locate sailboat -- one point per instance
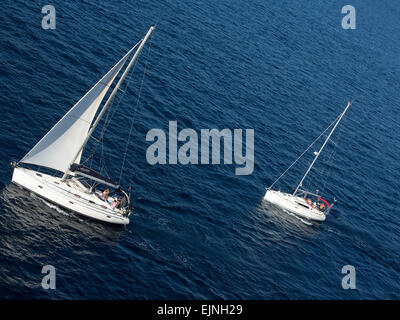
(301, 202)
(71, 184)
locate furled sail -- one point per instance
(57, 148)
(87, 172)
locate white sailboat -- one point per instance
(61, 150)
(301, 202)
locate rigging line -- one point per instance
(325, 170)
(108, 118)
(334, 121)
(127, 82)
(98, 140)
(317, 154)
(107, 121)
(333, 154)
(137, 105)
(111, 103)
(94, 148)
(321, 172)
(314, 169)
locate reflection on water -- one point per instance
(24, 210)
(36, 233)
(287, 222)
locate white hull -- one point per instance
(70, 195)
(294, 204)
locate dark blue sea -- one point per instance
(283, 68)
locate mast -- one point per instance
(322, 147)
(110, 98)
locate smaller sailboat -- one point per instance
(301, 202)
(71, 184)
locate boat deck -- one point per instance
(71, 194)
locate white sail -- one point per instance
(59, 146)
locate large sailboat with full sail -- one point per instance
(301, 202)
(74, 185)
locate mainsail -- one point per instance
(59, 146)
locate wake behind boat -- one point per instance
(75, 185)
(301, 202)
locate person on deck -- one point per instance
(105, 194)
(122, 203)
(114, 203)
